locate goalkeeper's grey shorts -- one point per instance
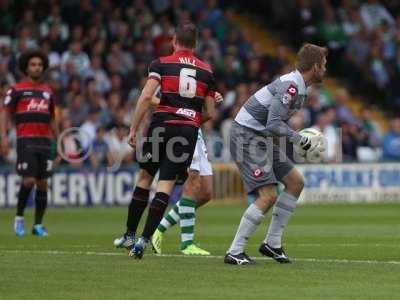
(260, 161)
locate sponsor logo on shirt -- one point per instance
(190, 113)
(38, 105)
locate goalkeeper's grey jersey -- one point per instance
(270, 108)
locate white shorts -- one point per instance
(200, 161)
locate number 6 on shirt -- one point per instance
(187, 83)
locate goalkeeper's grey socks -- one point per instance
(283, 209)
(251, 218)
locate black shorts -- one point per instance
(34, 157)
(168, 149)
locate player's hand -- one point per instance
(132, 138)
(218, 97)
(4, 146)
(155, 101)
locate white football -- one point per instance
(313, 156)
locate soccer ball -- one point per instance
(314, 156)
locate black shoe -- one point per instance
(276, 253)
(239, 259)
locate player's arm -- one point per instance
(209, 109)
(278, 112)
(54, 124)
(8, 107)
(278, 127)
(142, 106)
(4, 120)
(276, 124)
(212, 96)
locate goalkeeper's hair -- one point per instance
(25, 57)
(309, 55)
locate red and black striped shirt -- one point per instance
(33, 106)
(185, 82)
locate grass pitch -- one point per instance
(340, 251)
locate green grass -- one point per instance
(342, 252)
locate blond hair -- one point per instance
(309, 55)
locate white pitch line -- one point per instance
(293, 245)
(346, 245)
(322, 260)
(95, 253)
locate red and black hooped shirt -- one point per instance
(185, 82)
(33, 107)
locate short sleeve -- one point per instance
(10, 101)
(155, 70)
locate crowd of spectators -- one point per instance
(99, 52)
(363, 38)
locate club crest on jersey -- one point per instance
(257, 173)
(46, 95)
(39, 105)
(190, 113)
(289, 94)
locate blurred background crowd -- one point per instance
(99, 52)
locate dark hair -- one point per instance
(25, 57)
(186, 35)
(309, 55)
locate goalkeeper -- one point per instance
(261, 121)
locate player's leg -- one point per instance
(44, 171)
(40, 207)
(251, 218)
(169, 220)
(157, 208)
(179, 147)
(172, 217)
(199, 189)
(283, 210)
(202, 195)
(27, 168)
(25, 189)
(254, 158)
(187, 210)
(202, 187)
(206, 190)
(149, 161)
(138, 204)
